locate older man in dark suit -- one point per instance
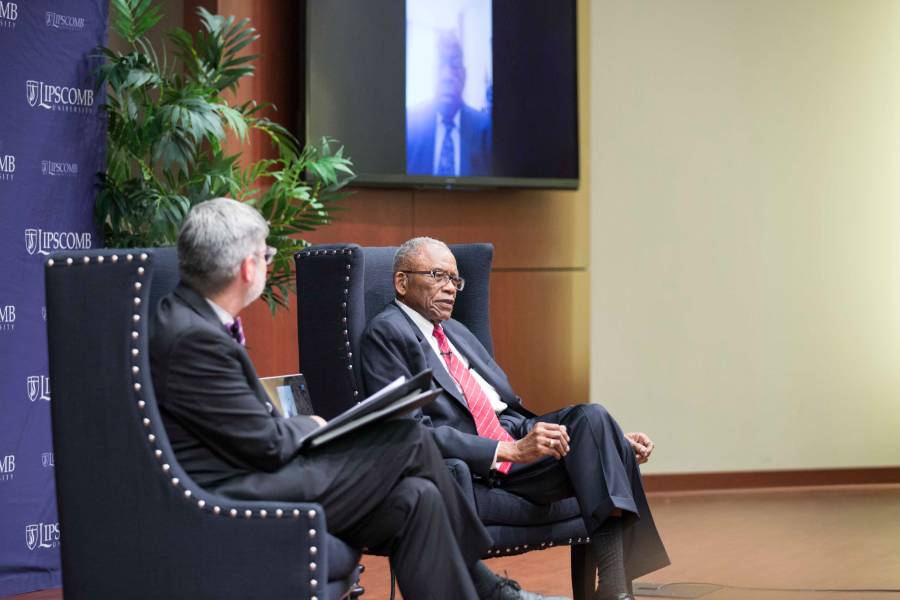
(577, 451)
(385, 489)
(446, 137)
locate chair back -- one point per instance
(133, 524)
(340, 287)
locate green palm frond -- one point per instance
(168, 122)
(134, 18)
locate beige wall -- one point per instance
(745, 230)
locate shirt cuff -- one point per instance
(494, 463)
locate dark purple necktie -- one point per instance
(236, 331)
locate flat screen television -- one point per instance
(445, 93)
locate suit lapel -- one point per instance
(487, 371)
(465, 164)
(441, 374)
(438, 369)
(199, 305)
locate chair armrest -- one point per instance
(254, 536)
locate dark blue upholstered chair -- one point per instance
(133, 523)
(339, 289)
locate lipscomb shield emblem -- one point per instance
(31, 92)
(31, 240)
(31, 536)
(34, 387)
(44, 164)
(49, 18)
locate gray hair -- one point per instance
(216, 236)
(411, 248)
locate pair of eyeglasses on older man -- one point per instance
(441, 277)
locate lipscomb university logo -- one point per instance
(59, 97)
(38, 241)
(31, 92)
(38, 387)
(7, 167)
(58, 21)
(7, 467)
(52, 168)
(47, 460)
(7, 317)
(42, 535)
(9, 14)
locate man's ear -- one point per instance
(247, 269)
(400, 283)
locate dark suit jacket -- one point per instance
(392, 346)
(474, 140)
(216, 413)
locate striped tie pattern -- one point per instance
(447, 157)
(486, 422)
(236, 330)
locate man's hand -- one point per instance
(318, 420)
(546, 439)
(641, 444)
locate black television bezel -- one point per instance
(425, 182)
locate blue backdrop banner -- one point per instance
(52, 145)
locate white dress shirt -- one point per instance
(427, 328)
(439, 130)
(224, 315)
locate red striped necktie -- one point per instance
(486, 422)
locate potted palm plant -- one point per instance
(169, 118)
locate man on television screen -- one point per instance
(446, 137)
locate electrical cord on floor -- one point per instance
(661, 586)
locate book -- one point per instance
(397, 398)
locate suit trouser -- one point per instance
(387, 490)
(601, 471)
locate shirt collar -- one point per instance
(421, 322)
(223, 314)
(455, 119)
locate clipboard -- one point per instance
(397, 398)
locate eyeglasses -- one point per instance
(269, 254)
(441, 277)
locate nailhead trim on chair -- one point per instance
(510, 550)
(348, 252)
(191, 495)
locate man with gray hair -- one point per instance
(384, 488)
(577, 451)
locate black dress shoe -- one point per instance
(620, 596)
(508, 589)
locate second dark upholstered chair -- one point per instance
(340, 288)
(133, 523)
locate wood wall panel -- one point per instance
(272, 341)
(370, 218)
(540, 330)
(530, 229)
